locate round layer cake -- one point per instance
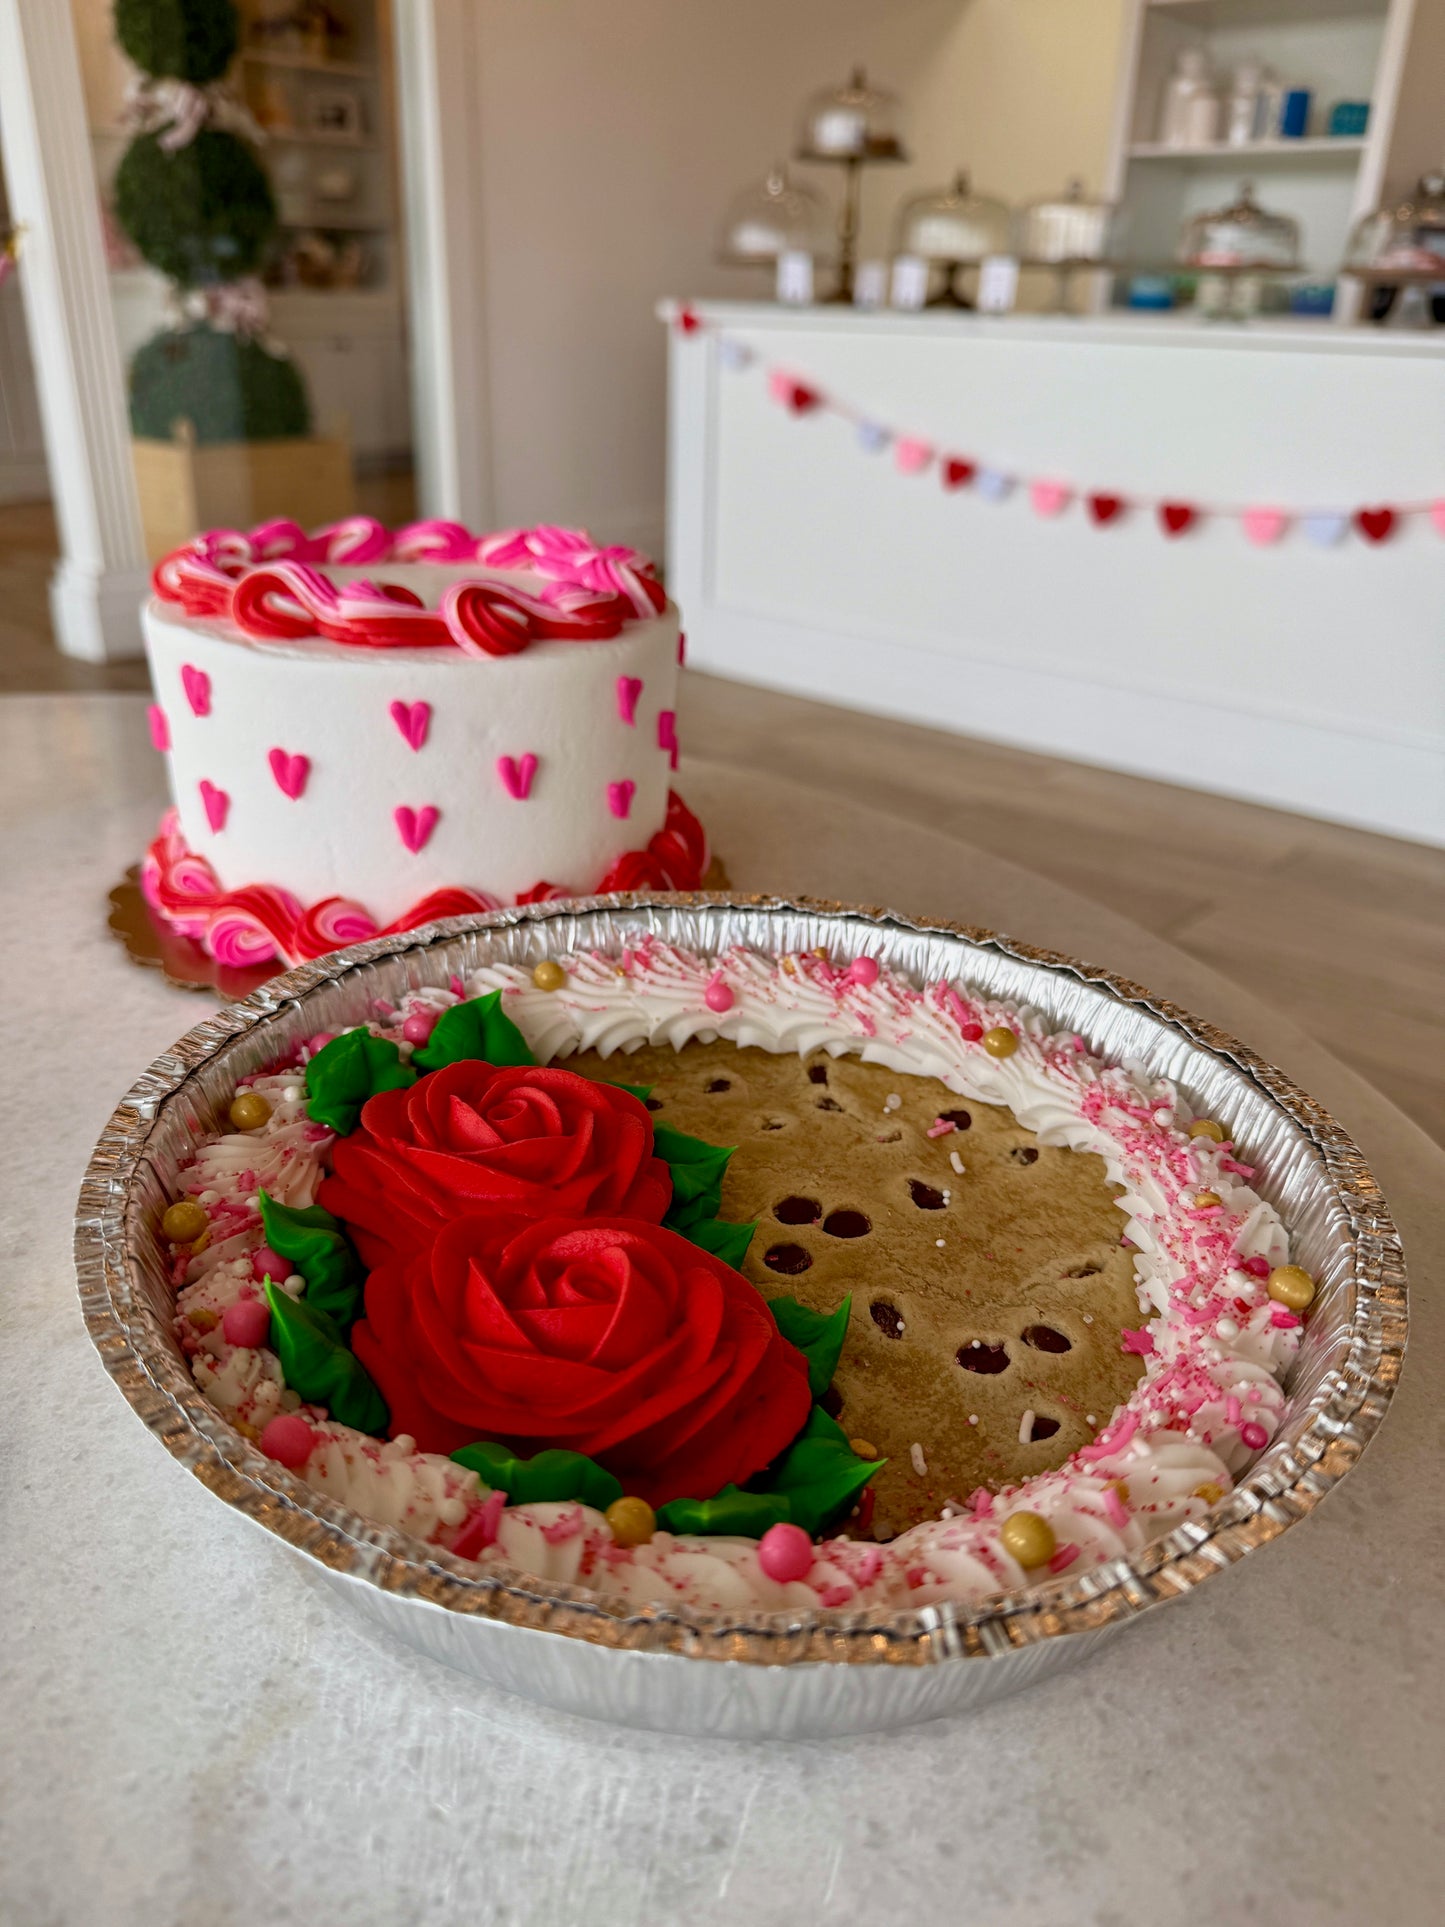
(366, 730)
(736, 1280)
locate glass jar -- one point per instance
(1242, 104)
(1189, 105)
(771, 217)
(853, 122)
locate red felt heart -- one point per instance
(1104, 508)
(688, 323)
(1375, 524)
(801, 398)
(1176, 517)
(955, 472)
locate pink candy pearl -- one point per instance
(419, 1026)
(320, 1041)
(289, 1440)
(717, 996)
(863, 970)
(1256, 1267)
(247, 1322)
(785, 1552)
(970, 1032)
(265, 1263)
(1254, 1436)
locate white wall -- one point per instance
(610, 137)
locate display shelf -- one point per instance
(1344, 147)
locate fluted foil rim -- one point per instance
(1325, 1428)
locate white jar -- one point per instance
(1189, 106)
(1242, 104)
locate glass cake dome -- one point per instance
(952, 224)
(775, 216)
(1242, 235)
(856, 121)
(1066, 227)
(1410, 237)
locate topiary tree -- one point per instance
(196, 202)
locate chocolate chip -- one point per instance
(817, 1073)
(960, 1120)
(653, 1103)
(718, 1084)
(797, 1211)
(924, 1195)
(832, 1402)
(1044, 1338)
(847, 1223)
(1044, 1428)
(1024, 1154)
(886, 1317)
(986, 1359)
(789, 1259)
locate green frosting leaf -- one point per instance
(640, 1091)
(819, 1475)
(550, 1475)
(818, 1336)
(352, 1068)
(315, 1244)
(697, 1175)
(319, 1366)
(744, 1515)
(474, 1030)
(724, 1240)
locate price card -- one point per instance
(870, 284)
(910, 281)
(998, 283)
(795, 278)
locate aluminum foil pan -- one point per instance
(752, 1675)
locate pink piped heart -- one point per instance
(197, 685)
(413, 720)
(1263, 526)
(216, 804)
(619, 797)
(160, 728)
(290, 772)
(1437, 517)
(629, 688)
(667, 733)
(1049, 498)
(415, 826)
(516, 773)
(911, 456)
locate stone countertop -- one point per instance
(198, 1731)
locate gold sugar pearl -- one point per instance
(1209, 1492)
(1000, 1041)
(249, 1111)
(1028, 1538)
(1206, 1127)
(864, 1449)
(1292, 1287)
(549, 975)
(184, 1222)
(1203, 1199)
(1121, 1486)
(203, 1319)
(632, 1520)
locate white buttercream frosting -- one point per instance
(1215, 1345)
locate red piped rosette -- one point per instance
(260, 924)
(270, 586)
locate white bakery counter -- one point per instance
(1307, 676)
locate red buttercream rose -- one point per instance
(620, 1340)
(472, 1137)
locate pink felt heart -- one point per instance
(160, 727)
(629, 688)
(415, 826)
(516, 774)
(1263, 526)
(1049, 498)
(413, 720)
(619, 797)
(1437, 516)
(911, 456)
(216, 804)
(290, 772)
(197, 685)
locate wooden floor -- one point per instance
(1305, 912)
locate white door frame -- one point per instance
(96, 592)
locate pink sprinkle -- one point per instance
(1256, 1267)
(1253, 1435)
(1112, 1441)
(837, 1594)
(247, 1323)
(289, 1440)
(940, 1127)
(564, 1527)
(917, 1576)
(456, 987)
(1140, 1341)
(785, 1552)
(1114, 1507)
(266, 1264)
(320, 1041)
(383, 1008)
(1233, 1411)
(863, 970)
(1282, 1320)
(869, 1565)
(480, 1529)
(718, 997)
(419, 1026)
(1064, 1557)
(981, 1499)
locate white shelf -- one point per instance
(1219, 153)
